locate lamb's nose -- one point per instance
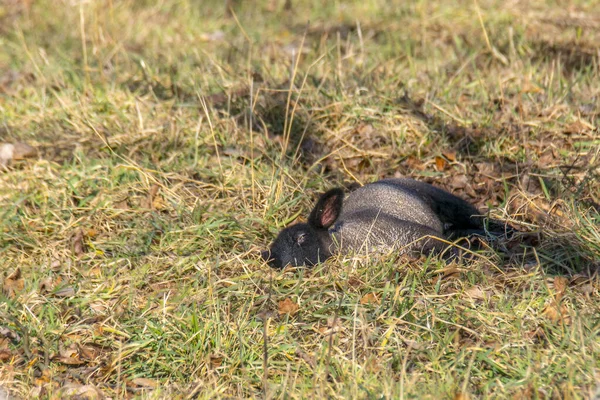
(265, 255)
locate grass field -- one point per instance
(173, 141)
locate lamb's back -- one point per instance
(393, 198)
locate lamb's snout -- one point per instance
(266, 255)
(273, 262)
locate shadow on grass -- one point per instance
(573, 57)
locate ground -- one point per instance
(172, 140)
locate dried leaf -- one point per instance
(333, 327)
(23, 150)
(5, 355)
(369, 298)
(148, 201)
(91, 233)
(94, 272)
(440, 163)
(13, 283)
(450, 155)
(449, 272)
(145, 382)
(215, 361)
(9, 334)
(476, 293)
(557, 313)
(70, 351)
(4, 393)
(309, 360)
(462, 396)
(121, 205)
(71, 361)
(16, 151)
(459, 181)
(37, 392)
(45, 285)
(215, 36)
(355, 282)
(529, 87)
(537, 334)
(88, 353)
(66, 291)
(74, 390)
(158, 203)
(287, 306)
(98, 306)
(77, 244)
(560, 286)
(587, 289)
(578, 279)
(55, 265)
(577, 127)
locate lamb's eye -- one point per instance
(301, 238)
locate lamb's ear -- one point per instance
(327, 210)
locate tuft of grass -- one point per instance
(174, 141)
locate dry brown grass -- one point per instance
(173, 143)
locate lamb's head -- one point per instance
(307, 243)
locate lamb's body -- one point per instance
(400, 213)
(380, 216)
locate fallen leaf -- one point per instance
(91, 233)
(74, 390)
(450, 155)
(412, 162)
(37, 392)
(66, 291)
(158, 203)
(45, 285)
(8, 334)
(440, 163)
(355, 282)
(148, 201)
(287, 306)
(69, 355)
(5, 355)
(4, 393)
(369, 298)
(99, 307)
(55, 265)
(529, 87)
(121, 205)
(413, 344)
(557, 313)
(88, 353)
(537, 334)
(309, 360)
(94, 272)
(77, 243)
(215, 36)
(449, 272)
(333, 327)
(577, 127)
(71, 361)
(13, 283)
(16, 151)
(587, 289)
(462, 396)
(144, 382)
(579, 279)
(215, 361)
(476, 293)
(560, 286)
(70, 351)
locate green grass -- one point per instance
(174, 143)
